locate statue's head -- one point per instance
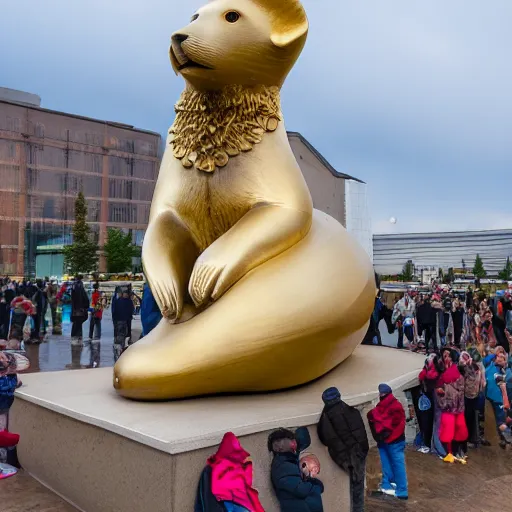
(243, 42)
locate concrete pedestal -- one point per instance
(103, 453)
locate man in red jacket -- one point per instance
(387, 422)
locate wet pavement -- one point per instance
(56, 352)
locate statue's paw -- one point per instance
(167, 297)
(209, 281)
(203, 280)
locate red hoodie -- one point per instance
(232, 475)
(388, 417)
(429, 373)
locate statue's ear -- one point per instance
(289, 36)
(288, 20)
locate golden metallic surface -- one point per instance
(259, 291)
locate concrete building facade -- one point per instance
(337, 194)
(46, 158)
(442, 250)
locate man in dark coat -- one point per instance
(341, 429)
(295, 492)
(79, 310)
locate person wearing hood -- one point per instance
(294, 491)
(387, 423)
(226, 482)
(341, 429)
(450, 401)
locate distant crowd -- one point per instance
(467, 339)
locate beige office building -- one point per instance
(46, 158)
(340, 195)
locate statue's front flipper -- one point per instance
(287, 322)
(261, 234)
(168, 255)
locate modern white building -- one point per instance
(444, 250)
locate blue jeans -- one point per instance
(499, 413)
(392, 458)
(230, 506)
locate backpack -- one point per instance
(424, 403)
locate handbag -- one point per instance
(424, 403)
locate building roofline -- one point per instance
(322, 159)
(84, 118)
(447, 233)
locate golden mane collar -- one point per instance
(211, 127)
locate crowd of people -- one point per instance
(29, 308)
(466, 337)
(24, 307)
(444, 317)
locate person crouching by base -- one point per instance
(387, 423)
(294, 491)
(341, 429)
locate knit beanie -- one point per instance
(331, 395)
(384, 389)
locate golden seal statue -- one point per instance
(259, 291)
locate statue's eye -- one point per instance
(194, 18)
(232, 17)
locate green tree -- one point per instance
(479, 270)
(408, 271)
(119, 251)
(506, 273)
(82, 255)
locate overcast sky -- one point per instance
(411, 96)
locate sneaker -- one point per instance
(449, 458)
(460, 459)
(424, 449)
(387, 492)
(507, 435)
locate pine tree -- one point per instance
(408, 271)
(479, 270)
(506, 273)
(119, 251)
(82, 255)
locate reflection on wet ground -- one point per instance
(57, 353)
